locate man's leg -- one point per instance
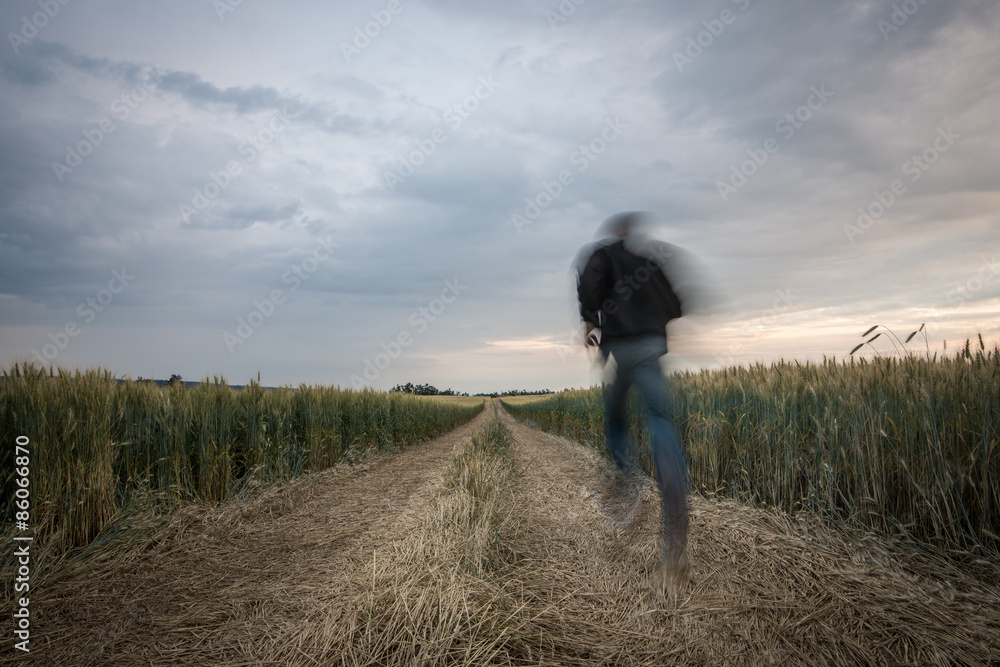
(668, 457)
(623, 494)
(615, 424)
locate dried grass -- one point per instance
(461, 552)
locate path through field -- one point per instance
(338, 566)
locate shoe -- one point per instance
(676, 570)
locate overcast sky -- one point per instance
(395, 190)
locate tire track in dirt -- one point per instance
(234, 580)
(602, 583)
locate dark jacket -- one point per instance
(624, 289)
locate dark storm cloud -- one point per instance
(746, 79)
(40, 62)
(26, 72)
(868, 99)
(191, 87)
(242, 216)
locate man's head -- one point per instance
(623, 225)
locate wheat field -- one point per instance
(100, 445)
(907, 447)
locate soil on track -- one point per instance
(235, 585)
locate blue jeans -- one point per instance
(638, 364)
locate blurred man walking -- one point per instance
(626, 300)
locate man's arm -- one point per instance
(590, 288)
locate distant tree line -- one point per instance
(425, 390)
(431, 390)
(518, 392)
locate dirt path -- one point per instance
(226, 591)
(765, 589)
(268, 582)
